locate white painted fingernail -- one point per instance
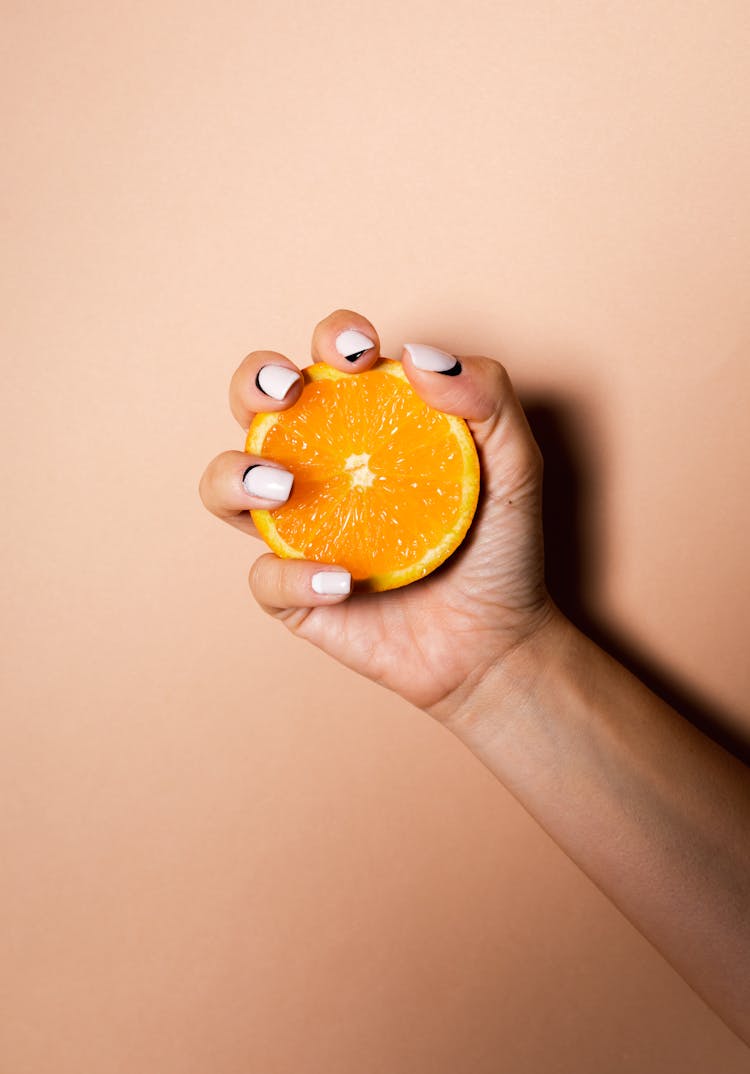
(276, 380)
(353, 344)
(430, 358)
(332, 583)
(267, 482)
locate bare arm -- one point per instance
(654, 812)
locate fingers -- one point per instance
(268, 381)
(281, 585)
(346, 340)
(474, 387)
(478, 389)
(263, 381)
(235, 482)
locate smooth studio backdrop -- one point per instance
(221, 851)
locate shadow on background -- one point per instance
(573, 559)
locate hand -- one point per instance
(433, 640)
(655, 813)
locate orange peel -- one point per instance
(384, 485)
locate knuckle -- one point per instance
(257, 577)
(502, 378)
(219, 466)
(267, 580)
(494, 388)
(529, 458)
(271, 585)
(213, 477)
(238, 383)
(206, 483)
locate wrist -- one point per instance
(493, 697)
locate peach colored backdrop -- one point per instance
(222, 852)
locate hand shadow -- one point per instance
(573, 560)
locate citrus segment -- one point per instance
(384, 485)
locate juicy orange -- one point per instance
(384, 485)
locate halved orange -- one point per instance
(384, 485)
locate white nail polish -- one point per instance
(332, 583)
(430, 358)
(351, 344)
(276, 380)
(268, 482)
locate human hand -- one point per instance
(433, 640)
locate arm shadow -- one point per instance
(573, 561)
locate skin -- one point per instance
(653, 811)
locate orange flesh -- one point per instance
(379, 477)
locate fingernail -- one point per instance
(276, 380)
(332, 583)
(353, 344)
(433, 360)
(267, 482)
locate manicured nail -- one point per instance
(276, 380)
(433, 360)
(332, 583)
(353, 344)
(267, 482)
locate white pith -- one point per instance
(361, 474)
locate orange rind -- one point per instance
(384, 485)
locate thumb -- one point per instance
(479, 390)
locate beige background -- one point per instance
(222, 852)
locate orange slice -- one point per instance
(384, 485)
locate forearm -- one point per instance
(653, 811)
